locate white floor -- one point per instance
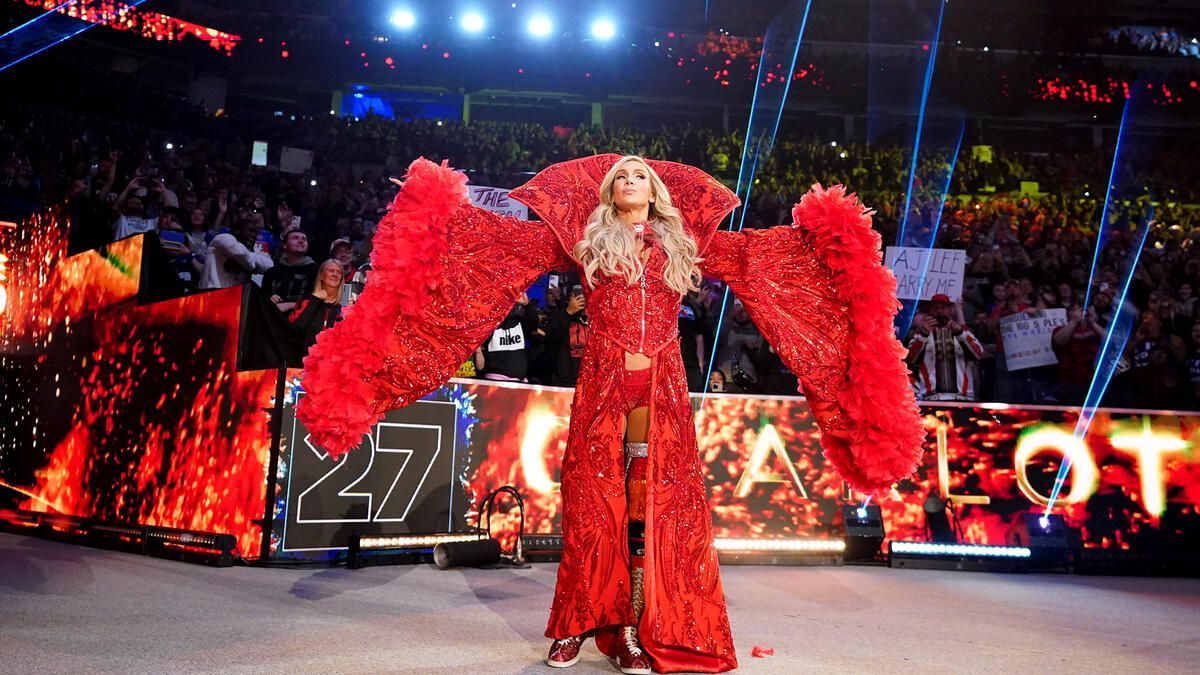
(72, 609)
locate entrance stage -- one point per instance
(69, 608)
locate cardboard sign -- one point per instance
(1027, 339)
(496, 200)
(295, 160)
(922, 273)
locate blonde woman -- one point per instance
(639, 569)
(321, 308)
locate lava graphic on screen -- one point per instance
(122, 411)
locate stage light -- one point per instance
(313, 182)
(473, 22)
(540, 26)
(774, 545)
(1046, 535)
(924, 548)
(833, 144)
(402, 548)
(170, 146)
(603, 29)
(211, 548)
(403, 19)
(864, 533)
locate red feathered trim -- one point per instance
(886, 441)
(340, 399)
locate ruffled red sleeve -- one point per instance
(444, 275)
(565, 194)
(822, 298)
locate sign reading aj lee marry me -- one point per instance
(922, 273)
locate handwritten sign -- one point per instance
(496, 200)
(1027, 339)
(922, 273)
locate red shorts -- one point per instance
(635, 389)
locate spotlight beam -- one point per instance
(755, 148)
(36, 44)
(1122, 322)
(912, 169)
(1104, 226)
(910, 309)
(1110, 354)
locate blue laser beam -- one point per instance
(17, 35)
(910, 309)
(1110, 354)
(755, 150)
(37, 18)
(1104, 226)
(928, 84)
(1122, 322)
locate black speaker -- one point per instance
(864, 533)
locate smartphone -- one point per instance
(552, 281)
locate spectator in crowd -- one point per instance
(505, 356)
(1038, 242)
(293, 275)
(20, 189)
(1015, 386)
(199, 232)
(1174, 322)
(321, 307)
(944, 354)
(1186, 299)
(694, 328)
(568, 336)
(740, 337)
(342, 250)
(1193, 362)
(230, 260)
(1102, 306)
(129, 213)
(1077, 345)
(716, 382)
(774, 378)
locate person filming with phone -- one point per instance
(944, 352)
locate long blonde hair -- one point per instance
(610, 247)
(320, 284)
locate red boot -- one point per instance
(564, 653)
(630, 657)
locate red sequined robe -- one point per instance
(446, 273)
